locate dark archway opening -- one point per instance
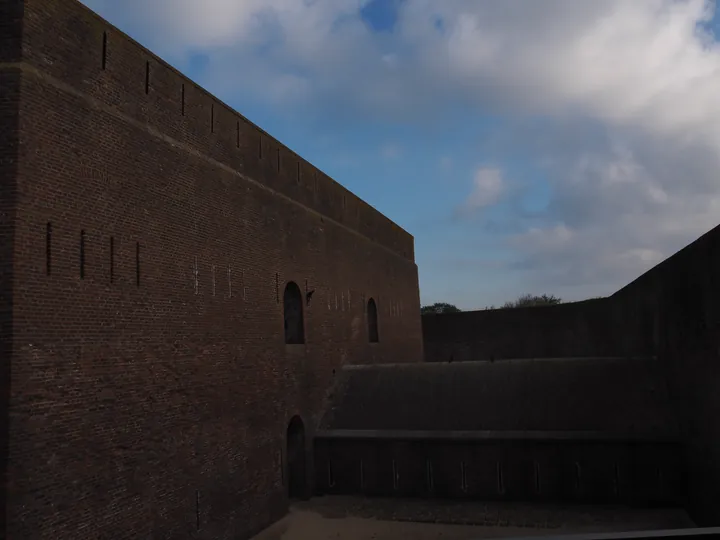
(296, 459)
(293, 308)
(372, 321)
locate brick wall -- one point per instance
(155, 232)
(577, 329)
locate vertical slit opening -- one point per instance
(182, 100)
(147, 77)
(112, 259)
(237, 134)
(212, 118)
(331, 476)
(577, 477)
(137, 264)
(82, 254)
(616, 480)
(48, 248)
(278, 160)
(429, 475)
(260, 146)
(104, 50)
(298, 172)
(396, 476)
(277, 287)
(500, 479)
(463, 476)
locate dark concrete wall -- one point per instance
(578, 329)
(572, 470)
(159, 377)
(621, 396)
(679, 297)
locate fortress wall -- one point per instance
(679, 298)
(578, 329)
(151, 383)
(612, 396)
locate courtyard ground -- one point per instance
(354, 518)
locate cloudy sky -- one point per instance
(530, 146)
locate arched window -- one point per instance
(372, 321)
(292, 304)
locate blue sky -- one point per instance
(555, 147)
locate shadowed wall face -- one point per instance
(155, 233)
(579, 329)
(679, 297)
(517, 430)
(602, 472)
(524, 395)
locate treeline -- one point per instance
(525, 300)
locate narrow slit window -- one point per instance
(500, 479)
(104, 50)
(577, 477)
(463, 476)
(616, 480)
(82, 254)
(260, 147)
(429, 474)
(396, 475)
(298, 172)
(137, 264)
(331, 476)
(362, 474)
(112, 259)
(212, 118)
(147, 77)
(48, 248)
(182, 100)
(237, 134)
(278, 160)
(536, 467)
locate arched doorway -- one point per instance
(296, 459)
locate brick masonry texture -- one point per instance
(152, 232)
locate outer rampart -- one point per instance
(154, 232)
(671, 313)
(679, 298)
(593, 328)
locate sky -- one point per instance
(546, 147)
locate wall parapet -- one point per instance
(78, 47)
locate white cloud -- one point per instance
(487, 188)
(642, 72)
